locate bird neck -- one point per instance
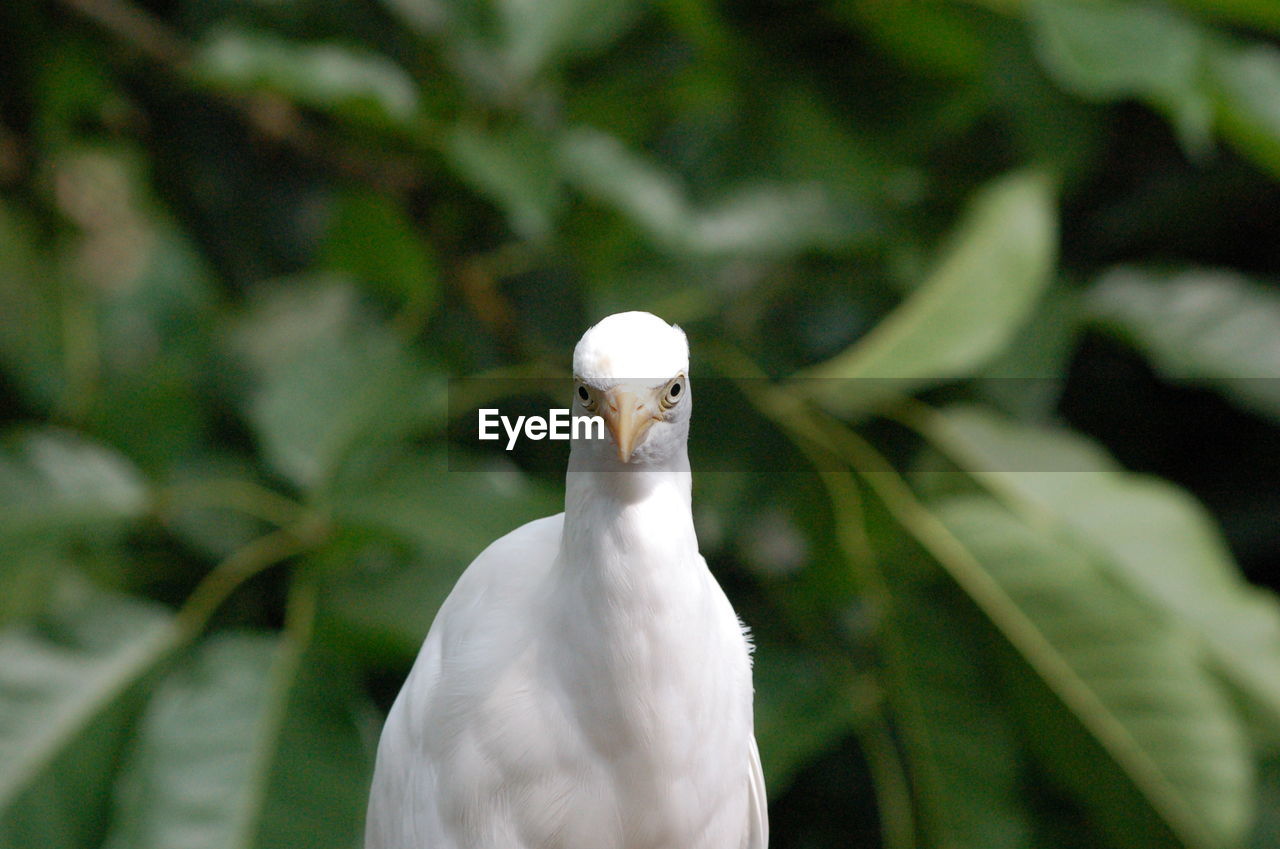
(631, 613)
(619, 522)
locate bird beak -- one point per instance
(628, 419)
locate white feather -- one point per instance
(587, 684)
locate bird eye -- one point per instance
(674, 390)
(585, 396)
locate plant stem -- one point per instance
(259, 555)
(235, 494)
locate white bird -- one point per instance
(587, 684)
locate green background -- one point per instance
(981, 295)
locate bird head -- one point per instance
(632, 370)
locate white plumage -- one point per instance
(586, 685)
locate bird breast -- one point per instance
(654, 672)
(620, 720)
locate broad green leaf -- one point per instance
(350, 82)
(1147, 533)
(428, 18)
(330, 381)
(802, 705)
(1263, 14)
(1062, 133)
(536, 33)
(56, 484)
(64, 679)
(253, 742)
(515, 168)
(1114, 50)
(31, 333)
(965, 763)
(28, 578)
(1028, 377)
(1110, 51)
(936, 38)
(372, 240)
(1246, 85)
(317, 788)
(1215, 328)
(985, 444)
(600, 166)
(139, 308)
(289, 318)
(71, 85)
(217, 504)
(965, 758)
(761, 220)
(962, 759)
(816, 143)
(1266, 832)
(191, 771)
(402, 545)
(995, 267)
(1131, 677)
(505, 45)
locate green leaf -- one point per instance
(189, 777)
(997, 264)
(218, 504)
(57, 484)
(935, 38)
(371, 239)
(1028, 376)
(816, 143)
(802, 706)
(515, 168)
(1147, 533)
(1108, 51)
(1266, 833)
(766, 219)
(72, 87)
(1263, 14)
(28, 578)
(1246, 80)
(139, 308)
(330, 381)
(992, 446)
(505, 45)
(403, 547)
(317, 789)
(426, 18)
(63, 682)
(535, 33)
(965, 762)
(965, 758)
(1214, 328)
(31, 332)
(251, 743)
(349, 82)
(1132, 678)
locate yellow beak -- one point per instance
(628, 417)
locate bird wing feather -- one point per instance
(402, 813)
(757, 836)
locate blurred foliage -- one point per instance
(993, 285)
